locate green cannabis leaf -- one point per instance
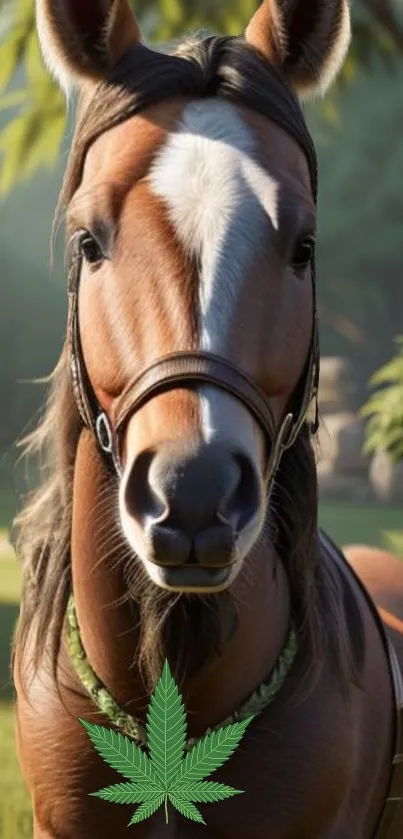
(163, 773)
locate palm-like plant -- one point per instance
(385, 408)
(385, 426)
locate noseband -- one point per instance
(186, 369)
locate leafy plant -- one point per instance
(34, 134)
(385, 408)
(164, 774)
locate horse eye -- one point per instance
(90, 249)
(303, 253)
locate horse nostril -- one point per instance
(140, 498)
(240, 504)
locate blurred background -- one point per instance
(358, 131)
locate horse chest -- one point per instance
(296, 767)
(294, 783)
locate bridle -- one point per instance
(185, 369)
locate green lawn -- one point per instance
(345, 523)
(15, 817)
(348, 523)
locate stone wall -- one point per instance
(343, 469)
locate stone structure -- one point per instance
(387, 480)
(343, 468)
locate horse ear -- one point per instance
(82, 40)
(307, 39)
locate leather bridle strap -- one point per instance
(187, 368)
(184, 369)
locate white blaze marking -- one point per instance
(221, 203)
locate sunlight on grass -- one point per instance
(15, 808)
(10, 579)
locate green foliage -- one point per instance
(19, 29)
(394, 540)
(34, 135)
(165, 774)
(385, 408)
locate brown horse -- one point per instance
(179, 497)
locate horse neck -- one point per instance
(107, 619)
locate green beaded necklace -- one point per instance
(260, 699)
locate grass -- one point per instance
(15, 809)
(350, 524)
(345, 523)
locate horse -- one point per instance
(176, 514)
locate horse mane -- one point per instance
(200, 68)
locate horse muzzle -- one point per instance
(192, 513)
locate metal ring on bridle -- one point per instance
(104, 433)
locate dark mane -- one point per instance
(219, 67)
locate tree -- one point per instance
(32, 138)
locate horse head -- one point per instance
(191, 212)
